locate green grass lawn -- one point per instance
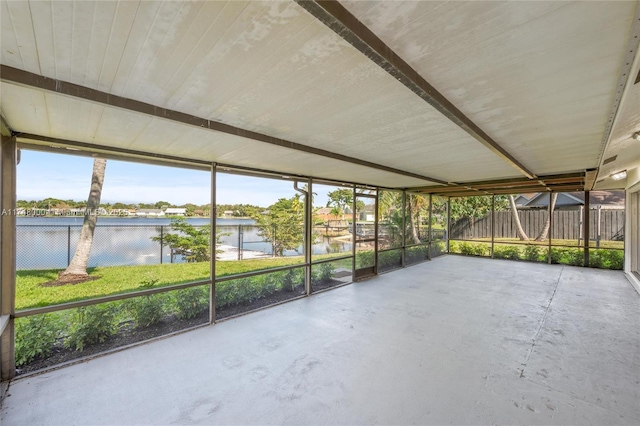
(123, 279)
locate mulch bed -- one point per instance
(272, 299)
(127, 334)
(277, 297)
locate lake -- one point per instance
(45, 242)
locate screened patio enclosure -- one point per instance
(476, 128)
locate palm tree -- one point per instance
(414, 205)
(77, 269)
(514, 211)
(545, 230)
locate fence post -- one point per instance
(68, 245)
(161, 241)
(587, 231)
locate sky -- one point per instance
(41, 175)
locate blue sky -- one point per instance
(42, 175)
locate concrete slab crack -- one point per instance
(544, 318)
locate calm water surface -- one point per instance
(49, 242)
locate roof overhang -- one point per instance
(394, 94)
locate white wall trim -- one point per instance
(634, 281)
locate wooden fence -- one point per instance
(567, 225)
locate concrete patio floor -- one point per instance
(453, 341)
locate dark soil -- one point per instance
(277, 297)
(325, 285)
(69, 280)
(126, 335)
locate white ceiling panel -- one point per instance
(538, 77)
(269, 67)
(121, 129)
(25, 109)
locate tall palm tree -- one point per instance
(514, 212)
(545, 230)
(77, 269)
(414, 205)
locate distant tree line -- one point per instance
(237, 210)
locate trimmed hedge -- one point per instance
(574, 256)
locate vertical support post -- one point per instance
(161, 241)
(308, 234)
(212, 246)
(8, 162)
(353, 233)
(493, 224)
(404, 228)
(68, 245)
(598, 226)
(586, 229)
(375, 233)
(550, 234)
(430, 227)
(448, 221)
(580, 222)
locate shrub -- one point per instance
(475, 249)
(322, 273)
(389, 259)
(35, 337)
(437, 248)
(507, 252)
(556, 255)
(609, 259)
(454, 247)
(415, 254)
(191, 301)
(147, 310)
(596, 260)
(92, 324)
(532, 252)
(575, 257)
(364, 259)
(567, 256)
(267, 284)
(293, 279)
(616, 259)
(236, 291)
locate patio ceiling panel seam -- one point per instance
(347, 26)
(28, 79)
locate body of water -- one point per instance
(44, 242)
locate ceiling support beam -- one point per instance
(56, 145)
(559, 188)
(28, 79)
(342, 22)
(516, 185)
